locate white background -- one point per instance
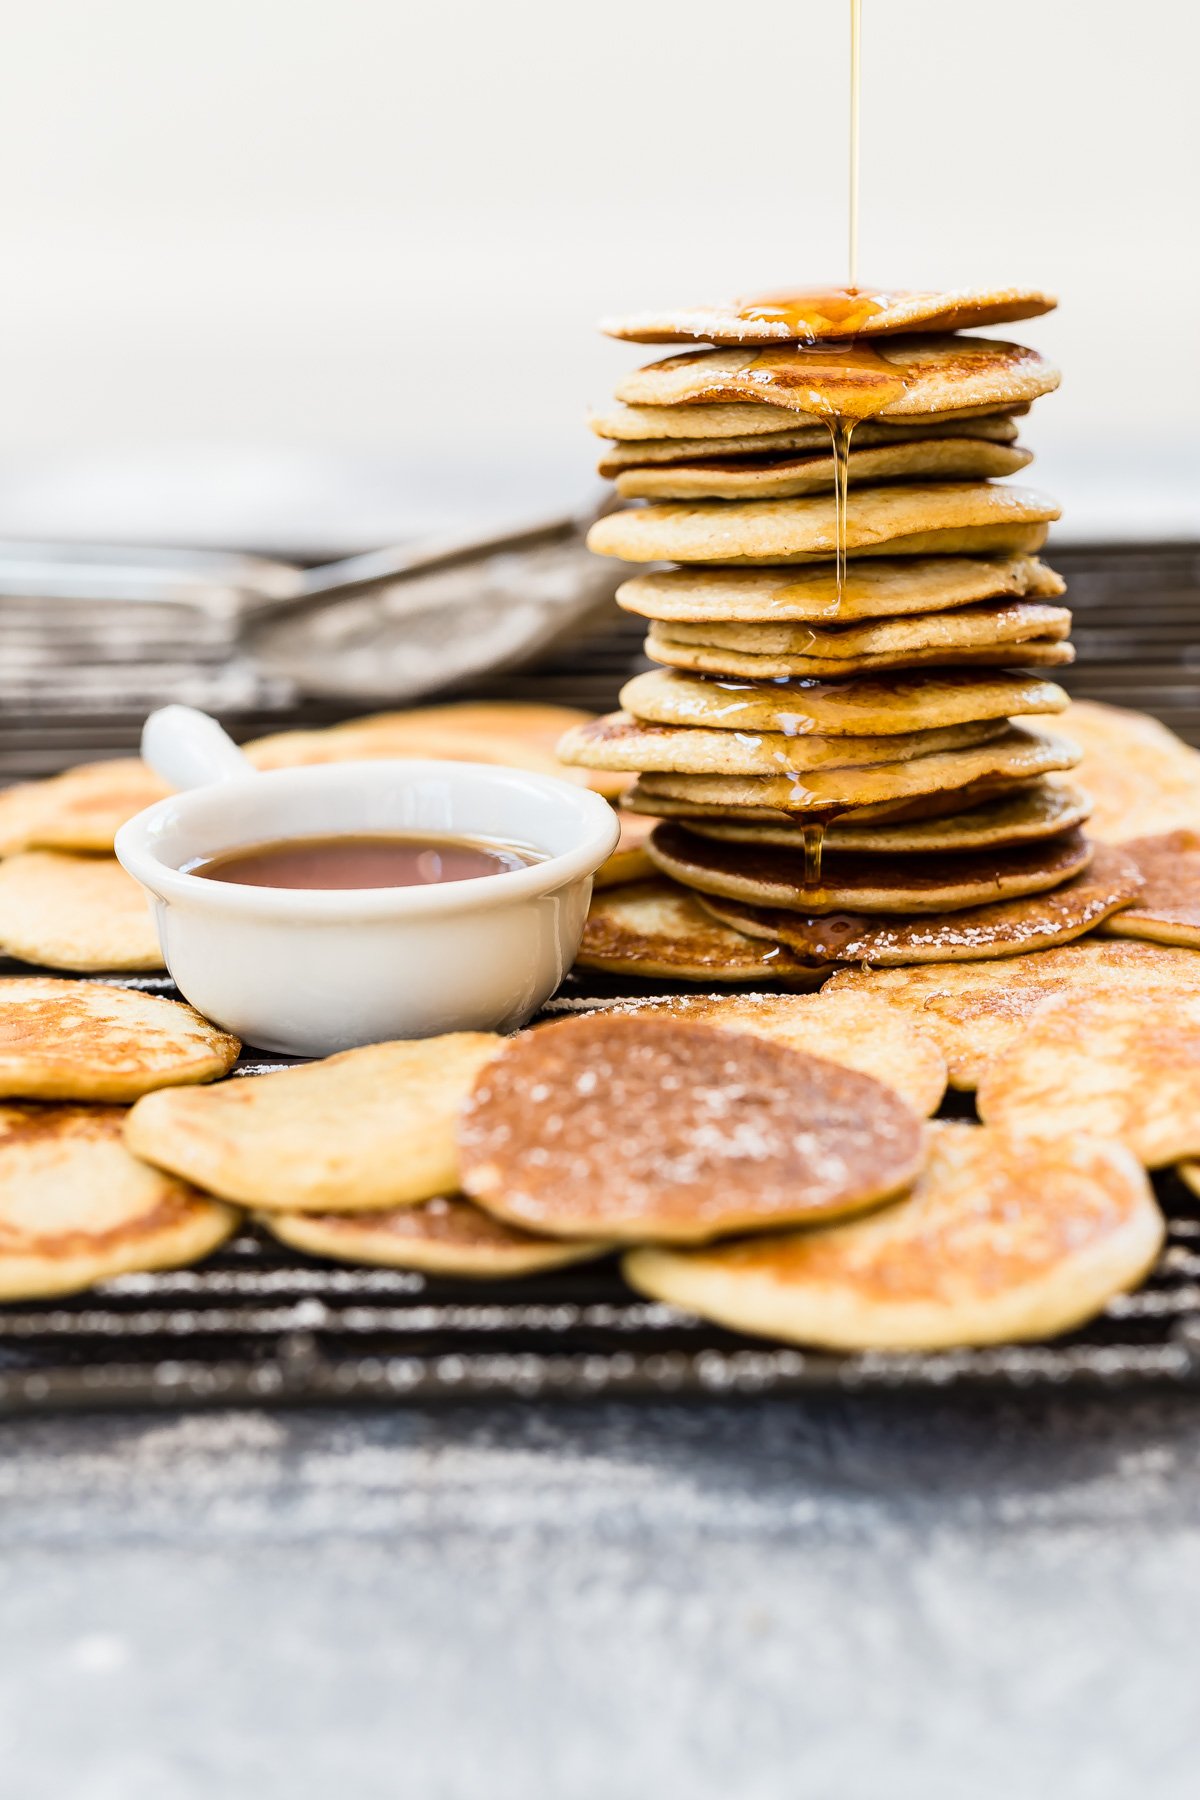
(317, 270)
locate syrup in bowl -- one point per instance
(380, 859)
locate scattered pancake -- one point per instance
(76, 1208)
(852, 882)
(976, 1009)
(630, 861)
(631, 1128)
(884, 706)
(1143, 779)
(657, 929)
(807, 317)
(1003, 929)
(621, 742)
(75, 912)
(1026, 815)
(789, 477)
(638, 453)
(1167, 911)
(887, 588)
(908, 519)
(83, 1040)
(1001, 1240)
(81, 810)
(447, 1235)
(360, 1132)
(1117, 1065)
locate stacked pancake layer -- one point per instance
(855, 762)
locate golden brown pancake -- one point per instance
(887, 588)
(788, 477)
(1143, 779)
(656, 930)
(1000, 1240)
(1035, 653)
(75, 912)
(633, 1128)
(447, 1235)
(995, 428)
(741, 420)
(807, 315)
(80, 810)
(851, 882)
(912, 518)
(620, 742)
(85, 1040)
(1167, 911)
(856, 708)
(1006, 928)
(887, 812)
(76, 1208)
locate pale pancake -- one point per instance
(654, 929)
(82, 809)
(1001, 1240)
(447, 1235)
(1142, 778)
(1015, 754)
(851, 882)
(773, 319)
(1034, 653)
(620, 742)
(740, 420)
(1118, 1065)
(871, 705)
(872, 590)
(996, 428)
(360, 1132)
(632, 1128)
(1025, 816)
(909, 519)
(630, 861)
(941, 375)
(537, 723)
(786, 478)
(1167, 911)
(1005, 929)
(84, 1040)
(75, 912)
(976, 1009)
(887, 812)
(851, 1029)
(76, 1208)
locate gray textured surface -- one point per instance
(833, 1600)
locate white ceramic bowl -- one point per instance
(308, 973)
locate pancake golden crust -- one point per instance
(739, 420)
(996, 428)
(1004, 929)
(1143, 779)
(1118, 1065)
(772, 316)
(360, 1132)
(634, 1128)
(887, 588)
(76, 1208)
(81, 810)
(1167, 911)
(697, 659)
(1001, 1240)
(446, 1235)
(656, 929)
(83, 1040)
(786, 478)
(911, 518)
(976, 1009)
(79, 913)
(621, 742)
(873, 884)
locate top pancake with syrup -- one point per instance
(808, 315)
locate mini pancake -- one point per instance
(655, 929)
(1027, 816)
(788, 477)
(630, 861)
(696, 659)
(940, 374)
(741, 420)
(976, 1009)
(76, 1208)
(1143, 779)
(994, 428)
(1001, 1240)
(887, 588)
(1006, 928)
(1167, 911)
(860, 707)
(804, 316)
(535, 723)
(851, 1029)
(1014, 754)
(443, 1236)
(1118, 1065)
(82, 809)
(633, 1128)
(621, 742)
(889, 812)
(83, 1040)
(912, 518)
(75, 912)
(360, 1132)
(851, 882)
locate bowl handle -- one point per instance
(189, 749)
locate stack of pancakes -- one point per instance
(848, 754)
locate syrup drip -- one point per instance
(814, 840)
